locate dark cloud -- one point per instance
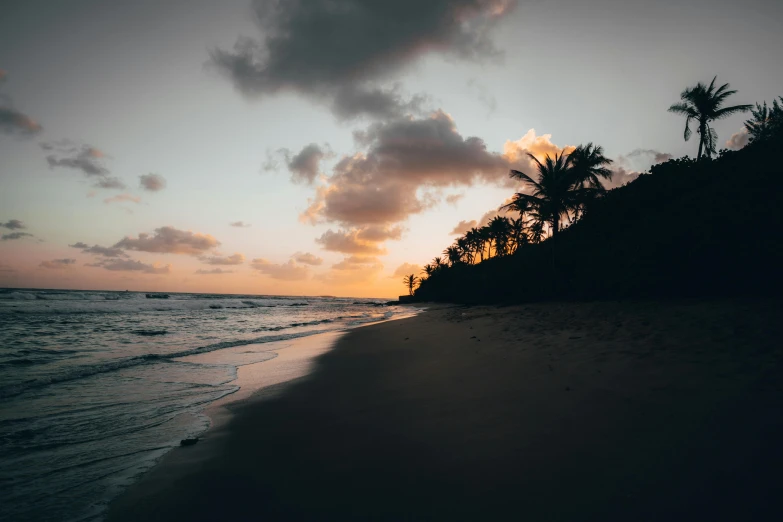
(307, 258)
(13, 224)
(130, 265)
(169, 240)
(239, 224)
(326, 48)
(289, 271)
(381, 186)
(304, 165)
(99, 250)
(57, 264)
(214, 271)
(463, 226)
(657, 156)
(152, 182)
(14, 235)
(348, 242)
(351, 102)
(236, 259)
(17, 123)
(84, 158)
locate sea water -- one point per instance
(94, 388)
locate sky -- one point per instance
(327, 147)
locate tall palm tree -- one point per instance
(765, 121)
(437, 263)
(555, 193)
(410, 281)
(704, 104)
(476, 240)
(428, 269)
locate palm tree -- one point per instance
(465, 248)
(555, 193)
(428, 269)
(518, 232)
(410, 281)
(476, 241)
(765, 121)
(453, 254)
(589, 164)
(499, 230)
(438, 263)
(703, 104)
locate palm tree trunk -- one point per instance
(555, 225)
(702, 130)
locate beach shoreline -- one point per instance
(635, 410)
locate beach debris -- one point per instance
(189, 441)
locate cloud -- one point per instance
(289, 271)
(130, 265)
(348, 242)
(236, 259)
(57, 264)
(14, 235)
(13, 224)
(214, 271)
(657, 156)
(357, 263)
(335, 50)
(84, 158)
(307, 258)
(353, 270)
(515, 152)
(463, 226)
(406, 269)
(152, 182)
(380, 186)
(6, 268)
(304, 165)
(239, 224)
(120, 198)
(377, 233)
(99, 250)
(351, 102)
(169, 240)
(738, 140)
(453, 199)
(17, 123)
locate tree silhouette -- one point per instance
(704, 104)
(410, 282)
(766, 122)
(499, 231)
(453, 254)
(556, 192)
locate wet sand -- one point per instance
(577, 411)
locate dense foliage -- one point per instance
(688, 227)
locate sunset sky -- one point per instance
(325, 147)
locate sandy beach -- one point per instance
(665, 410)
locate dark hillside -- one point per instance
(709, 227)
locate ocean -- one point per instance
(96, 386)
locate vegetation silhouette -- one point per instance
(410, 282)
(704, 104)
(688, 227)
